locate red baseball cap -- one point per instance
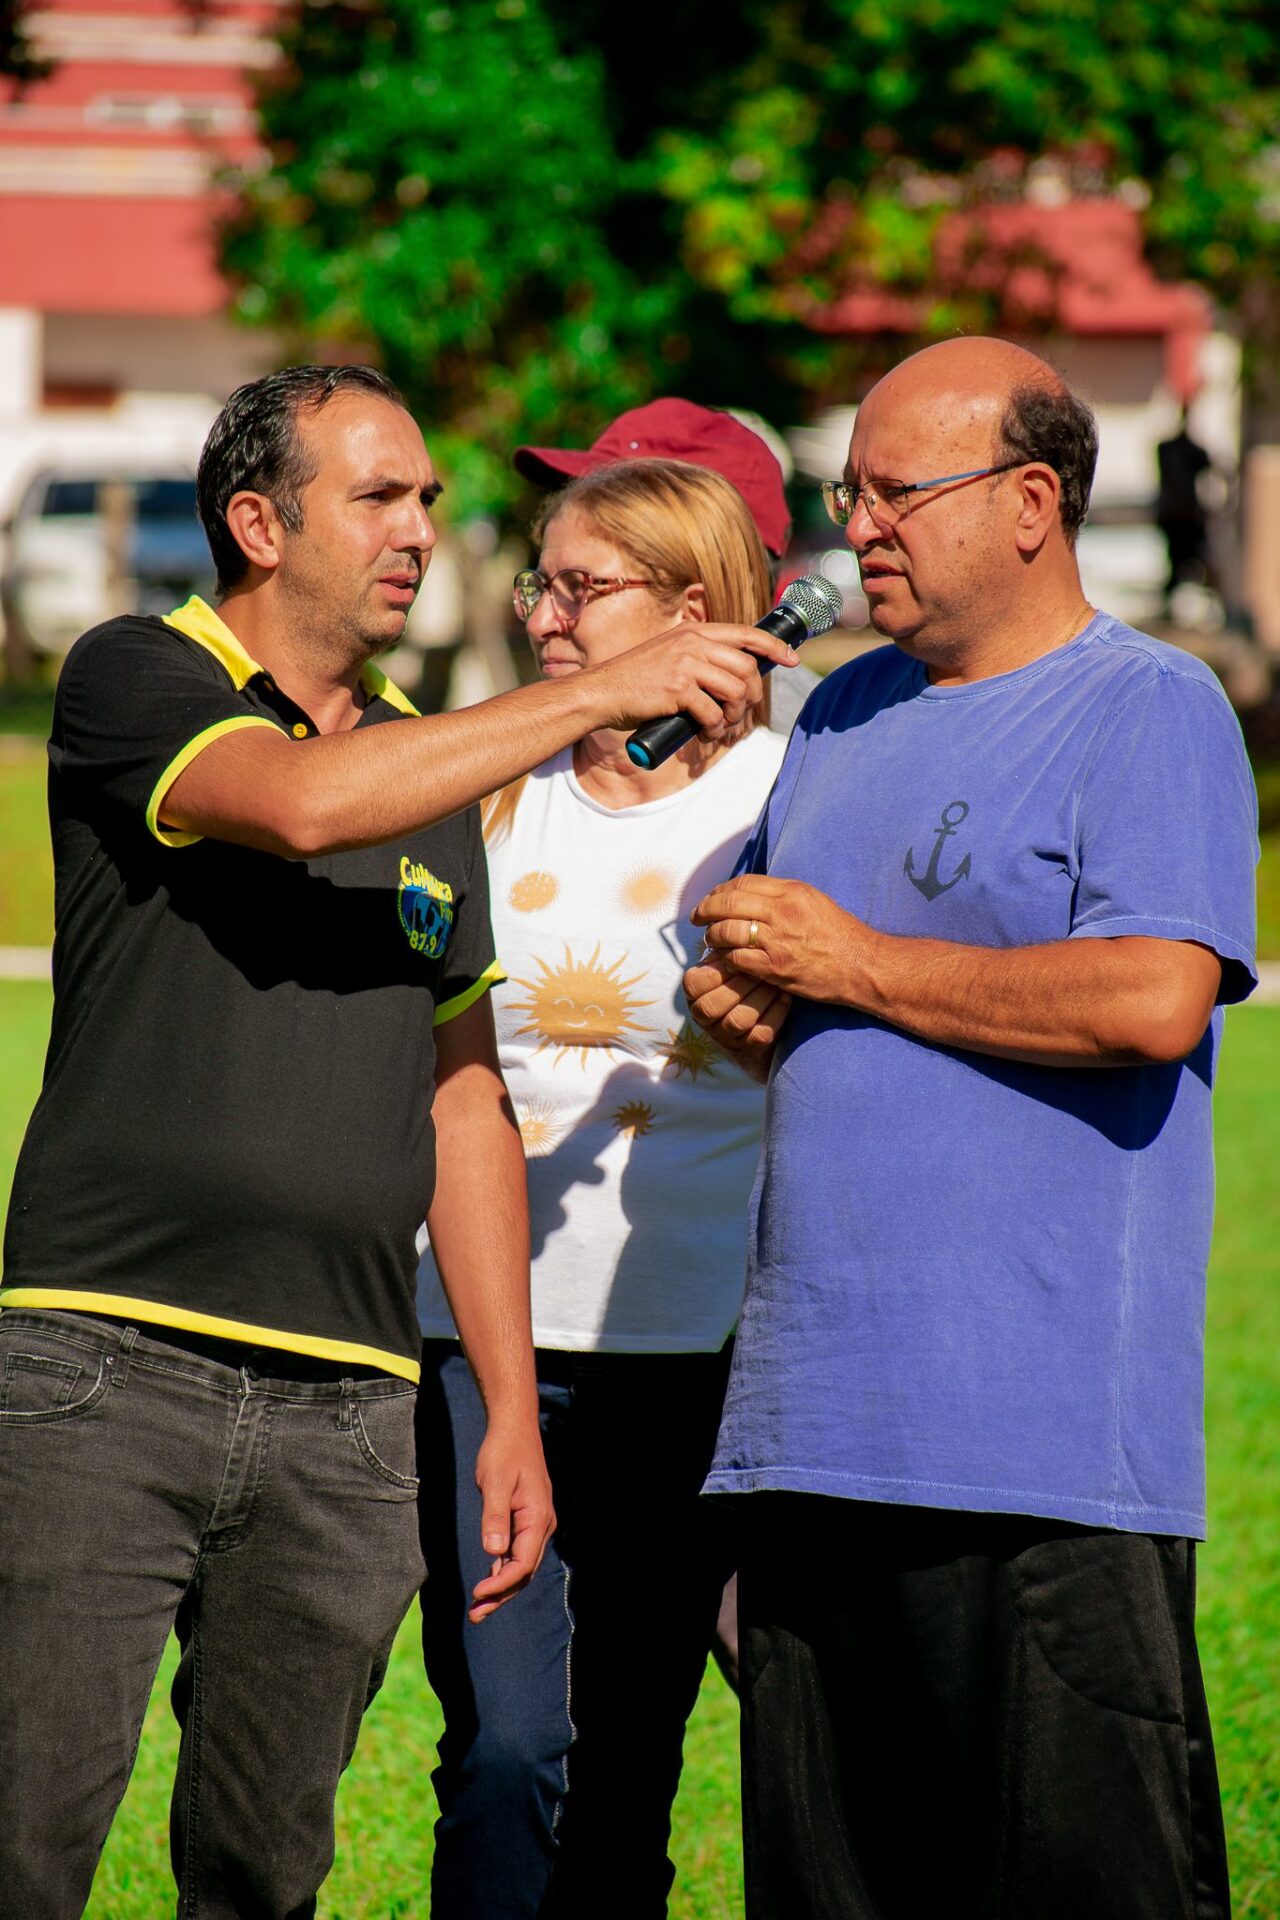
(678, 430)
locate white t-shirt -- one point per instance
(640, 1137)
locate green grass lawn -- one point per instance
(1267, 774)
(386, 1807)
(26, 868)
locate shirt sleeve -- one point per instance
(1166, 828)
(470, 964)
(136, 703)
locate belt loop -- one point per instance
(346, 1394)
(123, 1355)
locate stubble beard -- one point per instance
(335, 631)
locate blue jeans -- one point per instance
(636, 1569)
(264, 1513)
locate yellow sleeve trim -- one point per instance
(450, 1009)
(157, 1313)
(170, 836)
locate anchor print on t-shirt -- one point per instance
(932, 881)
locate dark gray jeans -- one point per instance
(271, 1521)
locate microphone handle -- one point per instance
(657, 740)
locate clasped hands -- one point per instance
(767, 941)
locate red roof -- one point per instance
(107, 196)
(1077, 268)
(143, 256)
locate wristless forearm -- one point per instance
(481, 1174)
(1065, 1003)
(374, 786)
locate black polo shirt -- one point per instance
(234, 1134)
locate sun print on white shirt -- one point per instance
(540, 1127)
(580, 1005)
(689, 1050)
(533, 891)
(647, 892)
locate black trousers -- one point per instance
(641, 1562)
(964, 1715)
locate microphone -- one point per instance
(809, 606)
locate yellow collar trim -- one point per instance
(198, 621)
(378, 687)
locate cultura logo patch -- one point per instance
(426, 908)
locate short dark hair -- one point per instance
(1048, 423)
(254, 445)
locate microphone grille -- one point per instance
(818, 603)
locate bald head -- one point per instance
(1025, 410)
(979, 369)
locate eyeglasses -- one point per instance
(887, 500)
(570, 589)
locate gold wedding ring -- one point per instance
(753, 934)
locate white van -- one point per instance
(82, 546)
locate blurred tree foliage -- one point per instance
(540, 211)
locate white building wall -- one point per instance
(170, 376)
(21, 374)
(208, 355)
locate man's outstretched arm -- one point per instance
(480, 1177)
(258, 788)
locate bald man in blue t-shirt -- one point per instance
(980, 943)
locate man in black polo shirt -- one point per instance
(271, 1049)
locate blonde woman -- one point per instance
(641, 1145)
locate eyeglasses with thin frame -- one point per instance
(887, 500)
(570, 589)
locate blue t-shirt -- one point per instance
(972, 1282)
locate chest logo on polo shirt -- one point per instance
(953, 818)
(426, 908)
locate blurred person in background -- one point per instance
(1187, 478)
(562, 1748)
